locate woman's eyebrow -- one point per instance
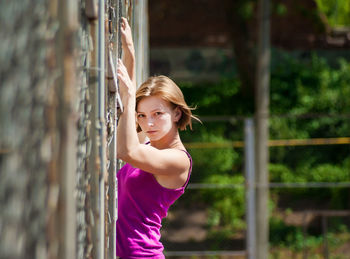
(156, 109)
(161, 109)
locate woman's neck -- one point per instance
(172, 140)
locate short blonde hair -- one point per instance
(166, 89)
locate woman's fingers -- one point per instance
(126, 32)
(120, 63)
(124, 22)
(123, 76)
(122, 68)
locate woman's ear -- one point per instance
(178, 114)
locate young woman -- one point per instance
(156, 173)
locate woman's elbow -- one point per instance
(127, 153)
(123, 155)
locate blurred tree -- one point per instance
(240, 14)
(336, 11)
(242, 19)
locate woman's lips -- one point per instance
(151, 131)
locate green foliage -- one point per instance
(281, 173)
(337, 197)
(246, 9)
(227, 204)
(291, 236)
(218, 239)
(327, 173)
(299, 85)
(319, 173)
(280, 9)
(221, 159)
(311, 85)
(213, 99)
(336, 11)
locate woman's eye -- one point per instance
(140, 116)
(158, 113)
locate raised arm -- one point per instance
(128, 49)
(128, 58)
(170, 161)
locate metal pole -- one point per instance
(97, 165)
(67, 129)
(250, 186)
(113, 55)
(93, 164)
(112, 184)
(325, 241)
(140, 36)
(101, 122)
(262, 133)
(121, 10)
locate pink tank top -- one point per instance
(142, 204)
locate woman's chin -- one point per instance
(154, 137)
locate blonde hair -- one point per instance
(166, 89)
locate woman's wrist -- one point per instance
(129, 99)
(128, 107)
(129, 49)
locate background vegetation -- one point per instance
(309, 99)
(337, 11)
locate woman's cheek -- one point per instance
(167, 122)
(140, 122)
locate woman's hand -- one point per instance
(126, 35)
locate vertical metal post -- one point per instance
(93, 164)
(98, 163)
(305, 252)
(68, 20)
(112, 186)
(121, 11)
(262, 131)
(325, 241)
(113, 47)
(250, 186)
(101, 122)
(140, 36)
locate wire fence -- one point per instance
(270, 185)
(58, 129)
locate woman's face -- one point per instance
(156, 117)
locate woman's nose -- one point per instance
(150, 122)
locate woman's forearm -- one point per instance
(129, 61)
(127, 135)
(128, 49)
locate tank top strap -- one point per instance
(190, 170)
